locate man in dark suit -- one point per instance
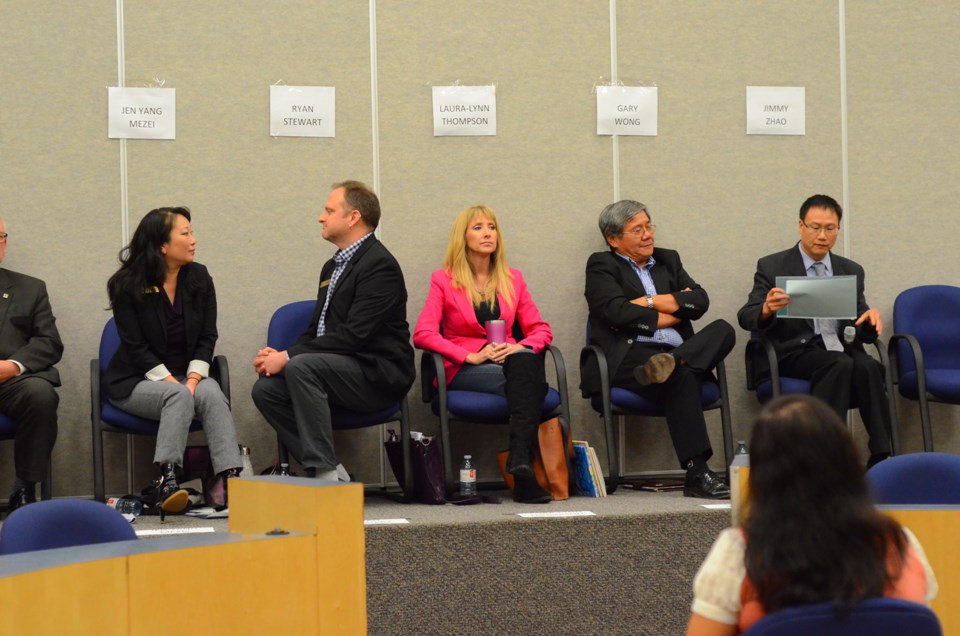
(815, 350)
(29, 347)
(641, 304)
(356, 352)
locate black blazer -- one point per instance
(367, 319)
(614, 321)
(143, 329)
(28, 330)
(788, 335)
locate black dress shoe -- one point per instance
(705, 485)
(519, 464)
(656, 370)
(21, 497)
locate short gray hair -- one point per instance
(616, 215)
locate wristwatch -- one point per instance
(649, 301)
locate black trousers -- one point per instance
(844, 380)
(681, 395)
(32, 403)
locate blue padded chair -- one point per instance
(917, 478)
(8, 431)
(613, 401)
(875, 616)
(286, 325)
(484, 408)
(107, 418)
(62, 523)
(759, 347)
(925, 348)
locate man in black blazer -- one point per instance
(816, 350)
(641, 303)
(356, 352)
(29, 347)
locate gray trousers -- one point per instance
(173, 405)
(297, 403)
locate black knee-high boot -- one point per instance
(525, 389)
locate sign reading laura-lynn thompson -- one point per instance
(464, 111)
(141, 113)
(303, 111)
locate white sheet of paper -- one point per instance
(141, 113)
(303, 111)
(819, 297)
(776, 110)
(464, 111)
(627, 110)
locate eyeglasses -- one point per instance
(3, 236)
(639, 231)
(829, 230)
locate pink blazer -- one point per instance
(462, 334)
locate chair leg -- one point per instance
(46, 488)
(925, 424)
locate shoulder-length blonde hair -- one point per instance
(458, 265)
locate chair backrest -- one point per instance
(62, 523)
(929, 314)
(876, 617)
(288, 322)
(917, 478)
(8, 427)
(109, 343)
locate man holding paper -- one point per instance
(826, 351)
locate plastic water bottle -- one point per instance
(247, 469)
(739, 474)
(128, 505)
(468, 477)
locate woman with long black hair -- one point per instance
(811, 532)
(165, 308)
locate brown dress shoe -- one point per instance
(656, 370)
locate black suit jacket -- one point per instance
(790, 334)
(614, 321)
(367, 318)
(142, 326)
(28, 329)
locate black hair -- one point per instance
(821, 201)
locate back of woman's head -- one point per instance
(801, 451)
(141, 262)
(812, 532)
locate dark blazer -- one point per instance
(28, 330)
(142, 326)
(788, 335)
(614, 321)
(367, 319)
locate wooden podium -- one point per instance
(306, 578)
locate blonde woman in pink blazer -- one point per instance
(476, 285)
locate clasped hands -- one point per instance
(493, 352)
(777, 299)
(269, 361)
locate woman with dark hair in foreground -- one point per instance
(811, 533)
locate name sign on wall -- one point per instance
(464, 111)
(627, 110)
(776, 110)
(141, 113)
(303, 111)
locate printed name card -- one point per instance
(141, 113)
(776, 110)
(464, 111)
(303, 111)
(627, 110)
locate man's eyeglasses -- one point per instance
(829, 230)
(3, 236)
(639, 231)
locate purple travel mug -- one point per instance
(496, 331)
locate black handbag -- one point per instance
(428, 475)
